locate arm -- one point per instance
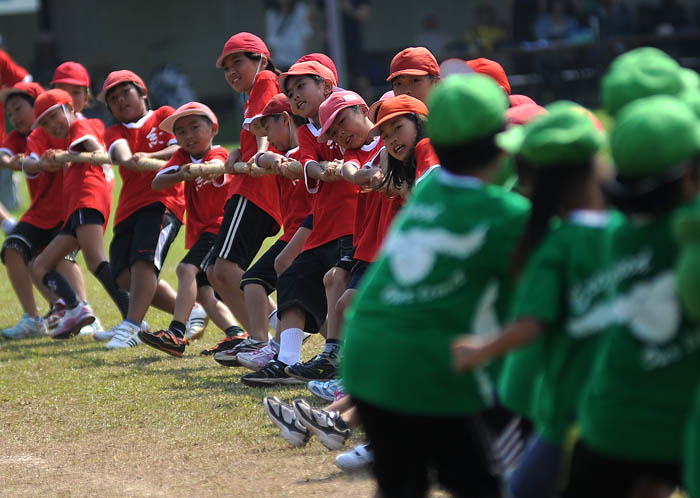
(168, 177)
(470, 351)
(33, 166)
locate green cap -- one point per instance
(566, 134)
(686, 231)
(653, 135)
(637, 74)
(465, 108)
(691, 92)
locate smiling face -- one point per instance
(56, 123)
(79, 94)
(240, 71)
(278, 131)
(399, 135)
(20, 113)
(194, 133)
(351, 128)
(125, 102)
(415, 86)
(305, 94)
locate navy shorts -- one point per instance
(199, 255)
(82, 216)
(28, 240)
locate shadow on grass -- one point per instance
(335, 476)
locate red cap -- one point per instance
(117, 78)
(243, 42)
(71, 73)
(189, 109)
(374, 108)
(452, 66)
(492, 69)
(25, 87)
(516, 100)
(323, 59)
(398, 106)
(48, 101)
(523, 113)
(336, 102)
(416, 61)
(308, 68)
(277, 105)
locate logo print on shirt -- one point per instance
(152, 137)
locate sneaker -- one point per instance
(323, 389)
(106, 335)
(55, 314)
(283, 416)
(73, 320)
(270, 374)
(328, 427)
(26, 327)
(359, 458)
(196, 323)
(225, 344)
(255, 360)
(164, 340)
(228, 358)
(92, 329)
(320, 367)
(125, 336)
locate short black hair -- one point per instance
(139, 90)
(468, 157)
(21, 95)
(316, 79)
(298, 120)
(270, 66)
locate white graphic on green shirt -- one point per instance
(412, 254)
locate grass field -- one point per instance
(78, 420)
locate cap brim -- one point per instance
(375, 129)
(326, 126)
(220, 59)
(407, 72)
(48, 110)
(70, 81)
(169, 123)
(512, 139)
(256, 126)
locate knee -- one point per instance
(182, 270)
(228, 273)
(124, 279)
(330, 278)
(281, 265)
(343, 303)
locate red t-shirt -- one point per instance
(262, 191)
(426, 157)
(295, 201)
(334, 203)
(10, 73)
(87, 185)
(144, 135)
(204, 199)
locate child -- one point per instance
(558, 263)
(448, 246)
(414, 71)
(88, 198)
(635, 404)
(279, 125)
(194, 126)
(74, 79)
(147, 221)
(301, 301)
(252, 213)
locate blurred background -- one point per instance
(549, 48)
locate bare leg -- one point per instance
(186, 291)
(258, 305)
(226, 280)
(142, 289)
(164, 298)
(21, 280)
(217, 311)
(58, 248)
(336, 281)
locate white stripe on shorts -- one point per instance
(160, 246)
(233, 227)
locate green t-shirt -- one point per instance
(443, 272)
(521, 379)
(562, 282)
(640, 392)
(691, 464)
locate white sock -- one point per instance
(8, 225)
(290, 346)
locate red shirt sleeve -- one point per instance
(112, 134)
(178, 159)
(15, 143)
(86, 129)
(215, 153)
(426, 157)
(11, 71)
(37, 143)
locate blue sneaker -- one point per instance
(324, 389)
(26, 327)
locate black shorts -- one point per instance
(145, 235)
(301, 285)
(347, 252)
(243, 231)
(263, 271)
(595, 474)
(82, 216)
(28, 240)
(456, 448)
(357, 272)
(199, 255)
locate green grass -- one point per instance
(78, 420)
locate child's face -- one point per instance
(240, 71)
(350, 128)
(416, 86)
(194, 134)
(399, 135)
(79, 94)
(20, 113)
(305, 95)
(277, 128)
(56, 124)
(125, 103)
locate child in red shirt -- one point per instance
(87, 192)
(414, 71)
(146, 221)
(194, 126)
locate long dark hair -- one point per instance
(554, 189)
(270, 66)
(400, 172)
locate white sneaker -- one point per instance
(26, 327)
(359, 458)
(92, 329)
(196, 323)
(106, 335)
(125, 336)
